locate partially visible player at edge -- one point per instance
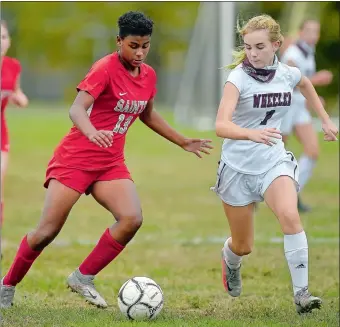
(90, 159)
(301, 54)
(10, 91)
(254, 164)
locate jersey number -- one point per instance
(269, 114)
(123, 129)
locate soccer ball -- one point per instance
(140, 298)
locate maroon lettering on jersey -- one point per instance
(272, 100)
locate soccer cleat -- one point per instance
(6, 295)
(231, 278)
(83, 285)
(306, 302)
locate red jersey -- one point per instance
(10, 71)
(119, 99)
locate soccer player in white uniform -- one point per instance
(301, 54)
(254, 164)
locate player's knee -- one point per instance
(40, 238)
(132, 222)
(312, 152)
(290, 221)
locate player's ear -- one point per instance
(276, 46)
(119, 41)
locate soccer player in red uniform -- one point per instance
(10, 91)
(90, 159)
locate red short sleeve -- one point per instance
(17, 66)
(95, 81)
(154, 91)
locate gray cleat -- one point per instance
(231, 278)
(83, 285)
(306, 302)
(6, 295)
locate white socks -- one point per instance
(296, 252)
(233, 260)
(306, 165)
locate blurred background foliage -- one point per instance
(57, 42)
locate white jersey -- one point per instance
(304, 58)
(260, 105)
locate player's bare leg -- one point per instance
(309, 140)
(4, 165)
(121, 199)
(58, 203)
(295, 241)
(241, 223)
(285, 139)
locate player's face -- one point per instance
(134, 49)
(260, 51)
(5, 40)
(310, 32)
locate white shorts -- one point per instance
(238, 189)
(295, 116)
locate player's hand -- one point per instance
(325, 77)
(19, 99)
(268, 136)
(197, 145)
(330, 130)
(102, 138)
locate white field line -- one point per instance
(193, 242)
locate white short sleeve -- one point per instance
(293, 54)
(236, 77)
(296, 75)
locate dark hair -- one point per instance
(134, 23)
(305, 21)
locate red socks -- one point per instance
(103, 253)
(21, 264)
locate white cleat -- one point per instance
(6, 295)
(306, 302)
(83, 285)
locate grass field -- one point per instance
(178, 245)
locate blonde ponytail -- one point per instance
(239, 56)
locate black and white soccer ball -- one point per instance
(140, 298)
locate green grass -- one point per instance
(178, 209)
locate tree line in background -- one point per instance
(65, 35)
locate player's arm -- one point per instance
(224, 126)
(18, 97)
(308, 91)
(322, 77)
(78, 115)
(151, 118)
